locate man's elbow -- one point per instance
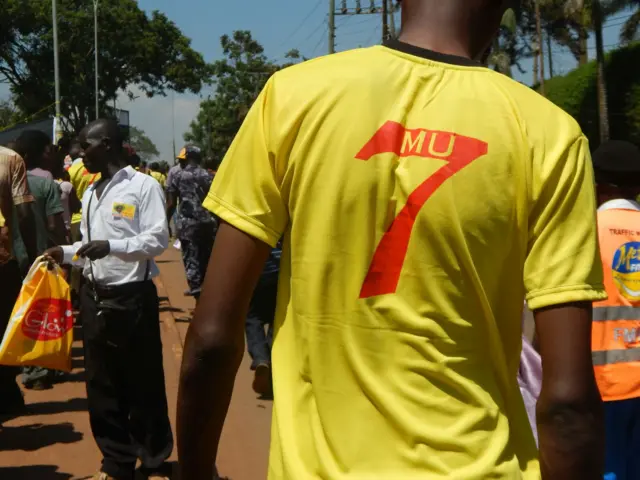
(211, 348)
(575, 416)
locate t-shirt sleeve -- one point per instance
(53, 204)
(246, 190)
(563, 262)
(19, 186)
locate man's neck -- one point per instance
(452, 27)
(111, 169)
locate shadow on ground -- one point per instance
(75, 377)
(33, 472)
(169, 308)
(51, 408)
(34, 437)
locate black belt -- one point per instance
(130, 288)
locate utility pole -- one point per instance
(95, 47)
(392, 18)
(173, 123)
(357, 10)
(385, 21)
(332, 26)
(540, 46)
(56, 72)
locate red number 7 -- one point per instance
(458, 152)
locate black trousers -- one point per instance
(10, 396)
(125, 377)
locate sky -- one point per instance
(279, 25)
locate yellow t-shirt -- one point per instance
(421, 197)
(160, 178)
(80, 178)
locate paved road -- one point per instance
(54, 442)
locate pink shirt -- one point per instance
(39, 172)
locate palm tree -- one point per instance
(597, 15)
(499, 56)
(594, 13)
(632, 25)
(540, 51)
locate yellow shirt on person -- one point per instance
(81, 179)
(421, 197)
(160, 177)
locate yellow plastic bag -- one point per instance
(40, 331)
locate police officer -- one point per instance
(196, 226)
(616, 321)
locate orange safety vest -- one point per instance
(616, 321)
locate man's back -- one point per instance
(47, 203)
(159, 177)
(13, 190)
(421, 197)
(190, 185)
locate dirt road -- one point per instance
(54, 442)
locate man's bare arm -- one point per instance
(569, 411)
(214, 347)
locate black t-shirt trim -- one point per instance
(395, 44)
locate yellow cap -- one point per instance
(182, 155)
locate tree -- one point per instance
(239, 78)
(583, 16)
(135, 49)
(8, 114)
(143, 145)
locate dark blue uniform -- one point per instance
(196, 225)
(262, 312)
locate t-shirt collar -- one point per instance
(395, 44)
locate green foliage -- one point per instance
(576, 94)
(8, 114)
(145, 148)
(135, 49)
(239, 78)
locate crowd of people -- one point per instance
(92, 205)
(415, 199)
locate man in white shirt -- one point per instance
(123, 228)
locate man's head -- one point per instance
(453, 26)
(190, 154)
(34, 147)
(75, 150)
(102, 142)
(154, 166)
(617, 169)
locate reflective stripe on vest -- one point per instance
(603, 314)
(610, 357)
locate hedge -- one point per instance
(576, 93)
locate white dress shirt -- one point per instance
(131, 215)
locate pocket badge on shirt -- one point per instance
(123, 210)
